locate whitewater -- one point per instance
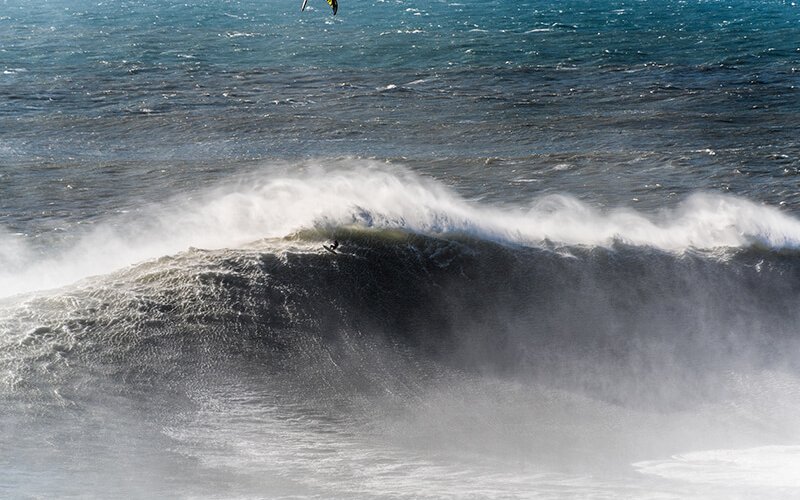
(370, 195)
(568, 262)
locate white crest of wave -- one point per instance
(702, 221)
(271, 206)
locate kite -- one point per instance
(333, 3)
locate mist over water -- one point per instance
(568, 261)
(368, 194)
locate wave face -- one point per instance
(444, 336)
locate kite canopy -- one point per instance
(333, 3)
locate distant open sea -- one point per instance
(568, 262)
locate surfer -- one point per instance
(332, 248)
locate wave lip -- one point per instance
(372, 196)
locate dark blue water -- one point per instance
(569, 248)
(681, 95)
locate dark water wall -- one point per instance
(613, 322)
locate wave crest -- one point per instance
(374, 196)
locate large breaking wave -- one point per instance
(617, 317)
(275, 205)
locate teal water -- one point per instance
(695, 89)
(569, 249)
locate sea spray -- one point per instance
(367, 194)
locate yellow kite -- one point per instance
(333, 3)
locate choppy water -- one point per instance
(569, 261)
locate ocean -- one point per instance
(568, 262)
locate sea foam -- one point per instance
(269, 205)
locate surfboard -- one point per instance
(304, 5)
(331, 250)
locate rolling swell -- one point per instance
(627, 324)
